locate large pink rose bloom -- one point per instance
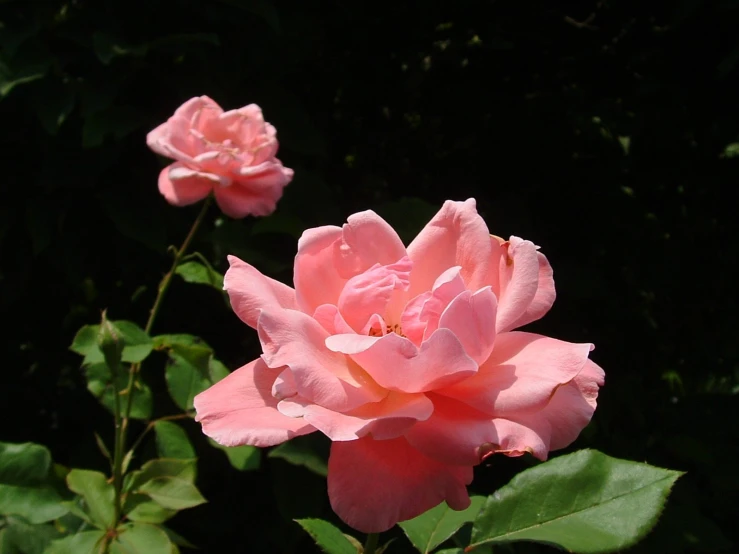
(406, 359)
(230, 153)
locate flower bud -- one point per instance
(110, 342)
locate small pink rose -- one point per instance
(230, 153)
(406, 358)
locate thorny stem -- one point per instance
(122, 418)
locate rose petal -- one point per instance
(250, 292)
(396, 363)
(328, 257)
(521, 375)
(240, 199)
(471, 317)
(284, 386)
(240, 409)
(370, 292)
(454, 433)
(374, 484)
(331, 320)
(294, 339)
(388, 418)
(519, 282)
(456, 236)
(568, 412)
(421, 315)
(315, 277)
(544, 297)
(181, 186)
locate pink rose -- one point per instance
(406, 359)
(230, 153)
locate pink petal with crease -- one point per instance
(522, 374)
(471, 317)
(370, 292)
(519, 282)
(250, 292)
(293, 339)
(240, 409)
(456, 236)
(186, 189)
(389, 418)
(328, 257)
(396, 363)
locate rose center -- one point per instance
(377, 332)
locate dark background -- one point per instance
(601, 131)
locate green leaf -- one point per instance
(98, 494)
(330, 539)
(173, 493)
(302, 451)
(191, 370)
(195, 272)
(584, 502)
(18, 536)
(166, 342)
(433, 527)
(24, 463)
(138, 345)
(87, 542)
(161, 467)
(24, 488)
(172, 441)
(35, 504)
(243, 458)
(139, 507)
(100, 384)
(141, 538)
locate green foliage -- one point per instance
(103, 385)
(18, 537)
(137, 344)
(140, 538)
(97, 494)
(583, 502)
(26, 487)
(327, 537)
(435, 526)
(86, 542)
(172, 441)
(200, 274)
(191, 368)
(172, 492)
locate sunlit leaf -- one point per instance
(583, 502)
